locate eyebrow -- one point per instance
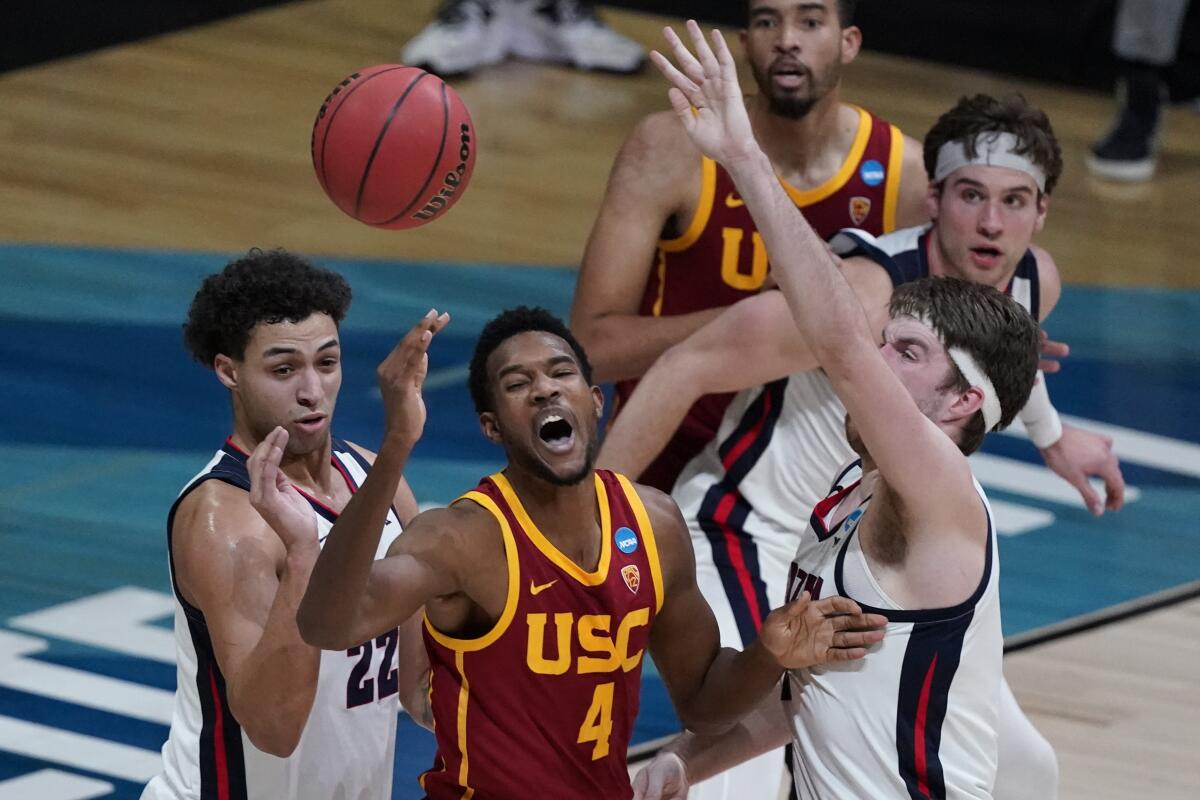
(550, 362)
(282, 351)
(978, 185)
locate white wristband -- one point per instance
(1040, 419)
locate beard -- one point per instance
(540, 469)
(794, 106)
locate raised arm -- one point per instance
(235, 570)
(919, 462)
(752, 342)
(655, 178)
(713, 687)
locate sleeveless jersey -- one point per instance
(543, 704)
(917, 717)
(748, 492)
(720, 257)
(348, 744)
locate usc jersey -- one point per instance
(720, 258)
(544, 703)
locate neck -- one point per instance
(313, 470)
(560, 507)
(795, 144)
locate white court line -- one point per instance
(114, 620)
(76, 686)
(1150, 449)
(78, 750)
(53, 784)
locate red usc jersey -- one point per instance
(543, 704)
(720, 258)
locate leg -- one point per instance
(1027, 768)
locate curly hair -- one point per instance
(989, 325)
(972, 116)
(263, 286)
(503, 327)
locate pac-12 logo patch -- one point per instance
(871, 172)
(859, 208)
(626, 541)
(633, 577)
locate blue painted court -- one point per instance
(105, 418)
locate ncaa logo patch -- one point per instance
(871, 172)
(633, 577)
(627, 541)
(859, 208)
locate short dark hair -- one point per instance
(846, 9)
(989, 325)
(503, 327)
(262, 286)
(972, 116)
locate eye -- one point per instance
(811, 23)
(908, 354)
(329, 362)
(283, 370)
(972, 195)
(512, 387)
(1015, 201)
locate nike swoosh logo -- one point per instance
(535, 590)
(733, 201)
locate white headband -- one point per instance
(975, 376)
(993, 149)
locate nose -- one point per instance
(788, 40)
(308, 388)
(991, 223)
(544, 388)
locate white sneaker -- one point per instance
(465, 35)
(568, 31)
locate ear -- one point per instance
(965, 405)
(933, 200)
(851, 43)
(227, 371)
(598, 400)
(1043, 206)
(487, 424)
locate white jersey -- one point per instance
(347, 748)
(747, 495)
(917, 717)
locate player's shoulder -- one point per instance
(367, 455)
(215, 509)
(662, 511)
(659, 140)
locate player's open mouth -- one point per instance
(986, 256)
(788, 75)
(555, 432)
(311, 422)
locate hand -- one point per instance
(401, 376)
(275, 499)
(805, 633)
(664, 778)
(1079, 455)
(1050, 350)
(706, 96)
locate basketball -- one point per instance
(393, 146)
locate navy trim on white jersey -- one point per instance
(904, 255)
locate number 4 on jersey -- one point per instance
(597, 723)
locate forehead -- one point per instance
(528, 349)
(910, 328)
(994, 179)
(307, 334)
(791, 5)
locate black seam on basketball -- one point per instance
(436, 160)
(362, 183)
(329, 125)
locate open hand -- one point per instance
(274, 497)
(1079, 455)
(808, 632)
(664, 778)
(1049, 351)
(706, 95)
(401, 376)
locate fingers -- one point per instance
(836, 605)
(724, 57)
(858, 622)
(848, 654)
(1090, 498)
(1114, 484)
(682, 85)
(687, 62)
(1049, 366)
(704, 53)
(851, 639)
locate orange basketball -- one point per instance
(393, 146)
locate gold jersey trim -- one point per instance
(708, 190)
(891, 192)
(464, 696)
(806, 197)
(514, 585)
(647, 531)
(593, 578)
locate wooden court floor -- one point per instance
(199, 140)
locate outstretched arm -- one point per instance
(919, 462)
(712, 687)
